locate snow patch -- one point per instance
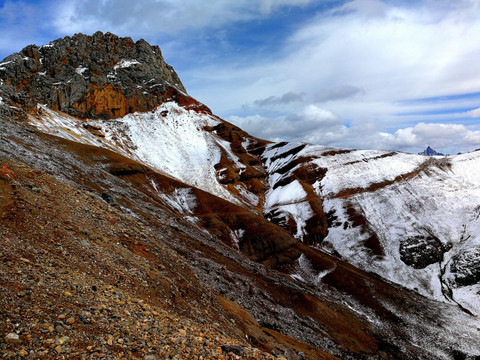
(400, 196)
(284, 195)
(289, 202)
(250, 198)
(299, 212)
(124, 63)
(64, 126)
(80, 70)
(4, 63)
(467, 296)
(236, 236)
(304, 272)
(150, 137)
(183, 200)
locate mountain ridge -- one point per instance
(256, 222)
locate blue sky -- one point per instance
(363, 73)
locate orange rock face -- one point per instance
(107, 101)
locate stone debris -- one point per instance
(89, 306)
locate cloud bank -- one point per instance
(319, 126)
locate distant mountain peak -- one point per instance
(430, 152)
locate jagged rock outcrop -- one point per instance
(98, 76)
(465, 267)
(420, 251)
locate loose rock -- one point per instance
(12, 338)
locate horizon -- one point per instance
(363, 74)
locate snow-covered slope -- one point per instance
(411, 219)
(171, 139)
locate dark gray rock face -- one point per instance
(466, 267)
(421, 251)
(98, 76)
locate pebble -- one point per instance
(59, 329)
(63, 300)
(63, 340)
(12, 338)
(23, 352)
(237, 350)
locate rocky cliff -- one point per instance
(99, 76)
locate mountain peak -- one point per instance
(97, 76)
(430, 152)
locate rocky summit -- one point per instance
(99, 76)
(136, 224)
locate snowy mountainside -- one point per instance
(411, 219)
(171, 139)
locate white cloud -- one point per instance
(453, 137)
(475, 113)
(287, 98)
(161, 16)
(406, 54)
(340, 93)
(313, 124)
(293, 126)
(472, 138)
(368, 8)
